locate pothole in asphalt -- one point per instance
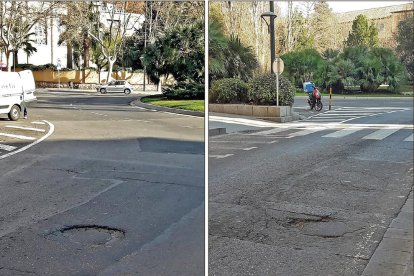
(88, 235)
(320, 226)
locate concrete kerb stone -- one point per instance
(279, 114)
(138, 103)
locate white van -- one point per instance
(16, 87)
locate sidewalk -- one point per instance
(394, 255)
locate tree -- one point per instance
(362, 33)
(180, 53)
(17, 18)
(302, 66)
(324, 27)
(111, 37)
(405, 38)
(240, 60)
(217, 43)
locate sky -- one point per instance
(345, 6)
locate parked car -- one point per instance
(115, 86)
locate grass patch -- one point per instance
(193, 105)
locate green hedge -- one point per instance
(228, 90)
(189, 90)
(262, 90)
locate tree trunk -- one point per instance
(85, 55)
(69, 56)
(111, 61)
(15, 58)
(8, 60)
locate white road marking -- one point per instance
(305, 132)
(7, 147)
(381, 134)
(38, 123)
(27, 128)
(242, 121)
(221, 156)
(249, 148)
(51, 130)
(341, 133)
(270, 131)
(21, 137)
(409, 138)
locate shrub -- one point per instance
(189, 90)
(262, 90)
(228, 91)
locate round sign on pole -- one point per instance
(278, 65)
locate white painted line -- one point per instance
(241, 121)
(250, 148)
(220, 156)
(21, 137)
(38, 123)
(341, 133)
(305, 132)
(7, 147)
(348, 114)
(409, 138)
(27, 128)
(270, 131)
(381, 134)
(51, 129)
(272, 142)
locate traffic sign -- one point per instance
(278, 65)
(59, 64)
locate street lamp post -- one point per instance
(142, 62)
(271, 27)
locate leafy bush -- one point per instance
(188, 90)
(262, 90)
(228, 91)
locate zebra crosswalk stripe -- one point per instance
(381, 134)
(342, 133)
(409, 138)
(22, 137)
(7, 147)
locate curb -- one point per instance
(393, 255)
(217, 131)
(138, 103)
(90, 91)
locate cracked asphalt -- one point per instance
(115, 190)
(305, 205)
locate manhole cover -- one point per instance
(88, 235)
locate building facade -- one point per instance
(385, 19)
(47, 32)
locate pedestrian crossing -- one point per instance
(236, 143)
(18, 136)
(346, 114)
(378, 131)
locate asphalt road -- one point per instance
(313, 197)
(101, 188)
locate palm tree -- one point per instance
(21, 39)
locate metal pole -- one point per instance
(272, 36)
(330, 97)
(59, 78)
(277, 86)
